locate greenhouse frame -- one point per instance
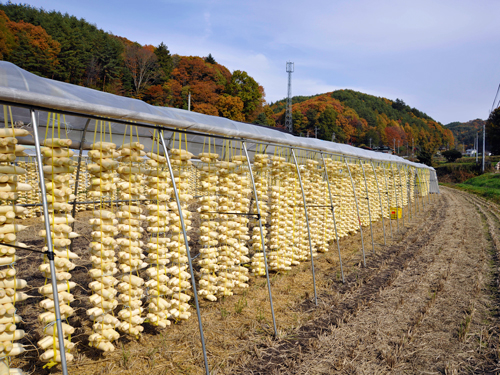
(298, 195)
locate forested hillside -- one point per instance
(356, 117)
(65, 48)
(465, 132)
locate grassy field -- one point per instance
(486, 185)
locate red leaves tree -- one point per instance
(143, 66)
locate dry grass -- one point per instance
(236, 328)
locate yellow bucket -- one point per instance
(393, 213)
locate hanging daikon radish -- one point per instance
(208, 231)
(260, 172)
(241, 205)
(11, 186)
(158, 191)
(130, 253)
(227, 228)
(179, 277)
(279, 255)
(57, 170)
(102, 250)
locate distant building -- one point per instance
(383, 149)
(471, 152)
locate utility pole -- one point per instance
(484, 143)
(477, 145)
(370, 143)
(189, 101)
(316, 131)
(412, 148)
(290, 66)
(394, 141)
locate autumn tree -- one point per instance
(7, 39)
(231, 107)
(143, 66)
(249, 91)
(35, 50)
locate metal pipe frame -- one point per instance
(420, 190)
(333, 215)
(402, 196)
(407, 173)
(186, 243)
(308, 228)
(369, 209)
(50, 248)
(388, 198)
(256, 197)
(73, 212)
(396, 193)
(380, 202)
(357, 210)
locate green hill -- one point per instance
(465, 132)
(356, 118)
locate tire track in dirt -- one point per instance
(433, 314)
(381, 272)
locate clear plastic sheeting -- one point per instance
(26, 89)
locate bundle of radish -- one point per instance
(158, 190)
(129, 225)
(277, 255)
(179, 280)
(227, 229)
(57, 170)
(242, 191)
(208, 234)
(102, 249)
(261, 175)
(292, 198)
(10, 188)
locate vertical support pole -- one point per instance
(256, 197)
(388, 199)
(408, 190)
(402, 195)
(421, 191)
(50, 248)
(380, 201)
(369, 209)
(308, 228)
(77, 178)
(396, 194)
(333, 214)
(357, 210)
(186, 243)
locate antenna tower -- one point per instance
(288, 116)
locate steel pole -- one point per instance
(50, 248)
(357, 210)
(308, 228)
(402, 195)
(396, 194)
(77, 178)
(186, 243)
(333, 214)
(256, 197)
(369, 209)
(388, 199)
(380, 200)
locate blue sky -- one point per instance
(440, 56)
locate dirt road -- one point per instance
(426, 305)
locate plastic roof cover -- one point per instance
(20, 86)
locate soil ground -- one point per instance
(427, 303)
